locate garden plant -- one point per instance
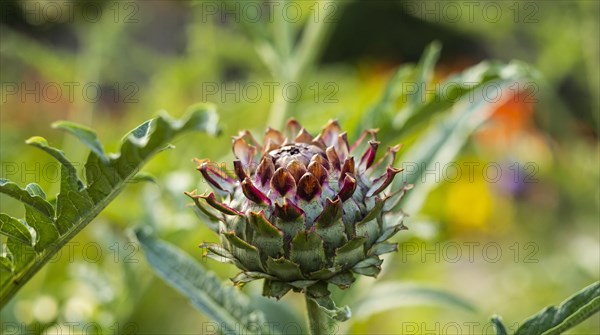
(302, 209)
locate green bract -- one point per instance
(302, 212)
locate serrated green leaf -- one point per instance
(101, 178)
(35, 190)
(202, 117)
(555, 320)
(140, 131)
(68, 173)
(385, 296)
(500, 328)
(34, 201)
(86, 135)
(71, 208)
(77, 205)
(222, 304)
(14, 229)
(46, 232)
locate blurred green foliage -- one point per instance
(532, 242)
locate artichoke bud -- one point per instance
(303, 212)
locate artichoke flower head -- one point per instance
(300, 211)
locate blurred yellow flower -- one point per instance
(469, 204)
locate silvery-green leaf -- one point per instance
(222, 304)
(56, 222)
(555, 320)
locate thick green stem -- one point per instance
(319, 323)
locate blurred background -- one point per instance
(514, 230)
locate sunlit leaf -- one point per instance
(12, 228)
(34, 201)
(86, 135)
(57, 222)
